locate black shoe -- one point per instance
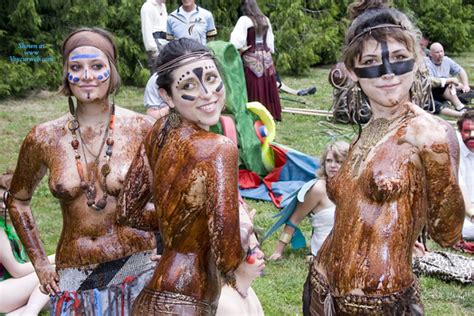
(310, 90)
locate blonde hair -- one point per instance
(339, 149)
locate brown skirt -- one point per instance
(324, 302)
(151, 302)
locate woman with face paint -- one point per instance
(87, 153)
(400, 175)
(191, 174)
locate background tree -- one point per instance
(308, 32)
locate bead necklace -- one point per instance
(89, 185)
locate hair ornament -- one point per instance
(370, 29)
(179, 61)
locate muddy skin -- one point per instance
(393, 196)
(195, 196)
(88, 236)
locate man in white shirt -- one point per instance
(153, 18)
(466, 169)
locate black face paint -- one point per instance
(88, 95)
(220, 86)
(398, 68)
(198, 72)
(188, 97)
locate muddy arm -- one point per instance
(446, 204)
(134, 207)
(29, 171)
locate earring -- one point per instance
(173, 118)
(72, 108)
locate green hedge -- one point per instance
(307, 32)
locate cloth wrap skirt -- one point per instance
(107, 288)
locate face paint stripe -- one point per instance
(188, 97)
(398, 68)
(220, 86)
(386, 59)
(84, 56)
(198, 72)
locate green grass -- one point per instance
(280, 288)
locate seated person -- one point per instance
(301, 92)
(19, 285)
(241, 299)
(316, 202)
(443, 67)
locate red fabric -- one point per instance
(228, 127)
(274, 175)
(248, 179)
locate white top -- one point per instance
(152, 97)
(322, 223)
(466, 169)
(153, 18)
(231, 303)
(238, 37)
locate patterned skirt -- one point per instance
(325, 302)
(107, 288)
(151, 302)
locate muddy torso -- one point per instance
(91, 236)
(376, 228)
(191, 172)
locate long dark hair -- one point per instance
(250, 8)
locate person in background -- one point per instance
(466, 176)
(154, 104)
(153, 17)
(19, 285)
(316, 202)
(241, 299)
(444, 68)
(253, 37)
(191, 21)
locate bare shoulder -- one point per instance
(135, 121)
(50, 132)
(319, 188)
(425, 130)
(208, 145)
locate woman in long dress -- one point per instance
(253, 36)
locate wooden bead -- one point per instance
(110, 141)
(75, 144)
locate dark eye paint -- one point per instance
(398, 68)
(188, 97)
(198, 72)
(220, 86)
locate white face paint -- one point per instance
(88, 73)
(198, 93)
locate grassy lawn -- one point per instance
(280, 288)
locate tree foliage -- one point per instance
(307, 32)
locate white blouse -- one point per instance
(238, 37)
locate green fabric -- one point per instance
(16, 246)
(232, 70)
